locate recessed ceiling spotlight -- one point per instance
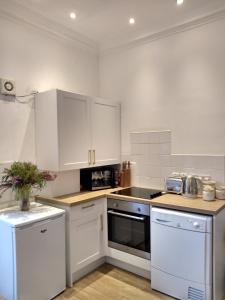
(73, 15)
(131, 21)
(180, 2)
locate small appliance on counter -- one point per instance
(190, 186)
(174, 185)
(99, 178)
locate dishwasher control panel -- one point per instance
(181, 220)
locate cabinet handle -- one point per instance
(94, 161)
(89, 157)
(88, 206)
(102, 225)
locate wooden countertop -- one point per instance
(196, 205)
(171, 201)
(77, 198)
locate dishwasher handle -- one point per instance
(162, 221)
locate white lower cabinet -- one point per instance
(86, 224)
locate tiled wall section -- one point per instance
(152, 160)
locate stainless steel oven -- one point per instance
(129, 227)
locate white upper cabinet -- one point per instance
(105, 132)
(75, 131)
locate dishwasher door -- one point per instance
(39, 252)
(181, 253)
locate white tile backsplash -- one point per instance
(165, 160)
(165, 148)
(165, 137)
(149, 137)
(153, 161)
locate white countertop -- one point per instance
(16, 218)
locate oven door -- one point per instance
(129, 233)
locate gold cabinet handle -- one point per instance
(101, 219)
(89, 157)
(94, 160)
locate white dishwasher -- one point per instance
(181, 254)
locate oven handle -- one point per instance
(125, 215)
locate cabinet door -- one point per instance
(86, 236)
(74, 130)
(105, 132)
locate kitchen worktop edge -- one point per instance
(170, 201)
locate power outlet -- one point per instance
(7, 87)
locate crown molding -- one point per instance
(20, 14)
(115, 46)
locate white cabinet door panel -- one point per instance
(74, 131)
(105, 132)
(86, 241)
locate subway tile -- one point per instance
(154, 137)
(216, 162)
(153, 148)
(135, 159)
(165, 160)
(135, 138)
(154, 171)
(156, 183)
(218, 176)
(135, 181)
(149, 182)
(154, 160)
(167, 171)
(136, 149)
(149, 137)
(143, 181)
(165, 137)
(165, 148)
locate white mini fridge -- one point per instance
(32, 253)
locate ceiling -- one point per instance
(105, 22)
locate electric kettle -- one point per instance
(191, 186)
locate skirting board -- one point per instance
(88, 269)
(130, 268)
(115, 262)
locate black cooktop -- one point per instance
(139, 193)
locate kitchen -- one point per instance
(159, 79)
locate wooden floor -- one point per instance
(111, 283)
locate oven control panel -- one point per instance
(128, 206)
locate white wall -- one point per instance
(175, 83)
(40, 62)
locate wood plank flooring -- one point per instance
(111, 283)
